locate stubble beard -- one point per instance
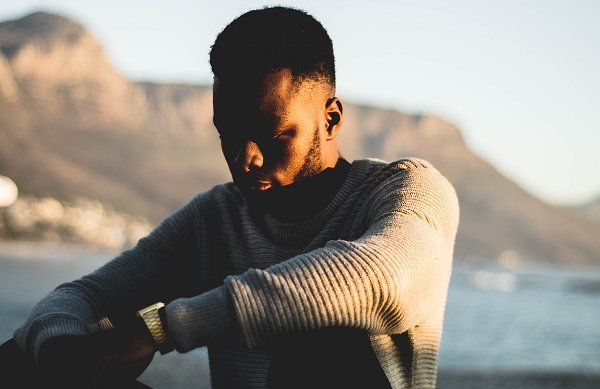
(312, 163)
(262, 202)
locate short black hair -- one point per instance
(272, 38)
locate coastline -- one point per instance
(448, 379)
(42, 250)
(181, 371)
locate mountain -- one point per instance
(70, 125)
(590, 210)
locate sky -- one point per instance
(520, 78)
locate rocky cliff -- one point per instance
(70, 125)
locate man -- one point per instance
(307, 271)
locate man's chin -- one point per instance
(258, 199)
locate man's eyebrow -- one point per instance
(275, 120)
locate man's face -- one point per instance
(274, 132)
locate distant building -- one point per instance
(8, 191)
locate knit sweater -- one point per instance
(376, 260)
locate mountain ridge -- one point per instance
(70, 125)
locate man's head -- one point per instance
(274, 98)
(268, 39)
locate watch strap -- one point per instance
(152, 319)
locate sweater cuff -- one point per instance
(30, 341)
(196, 321)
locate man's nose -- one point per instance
(249, 156)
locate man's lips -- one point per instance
(261, 185)
(254, 183)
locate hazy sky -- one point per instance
(521, 78)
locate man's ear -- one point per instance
(334, 116)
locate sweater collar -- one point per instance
(298, 232)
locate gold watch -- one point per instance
(151, 317)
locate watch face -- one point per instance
(153, 307)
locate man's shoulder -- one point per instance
(223, 192)
(217, 198)
(405, 162)
(412, 184)
(405, 174)
(224, 189)
(382, 170)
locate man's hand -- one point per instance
(98, 360)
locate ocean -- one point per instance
(500, 323)
(532, 319)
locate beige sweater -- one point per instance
(377, 259)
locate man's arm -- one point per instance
(386, 281)
(134, 279)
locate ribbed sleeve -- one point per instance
(196, 321)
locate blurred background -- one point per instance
(106, 128)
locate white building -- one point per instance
(8, 191)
